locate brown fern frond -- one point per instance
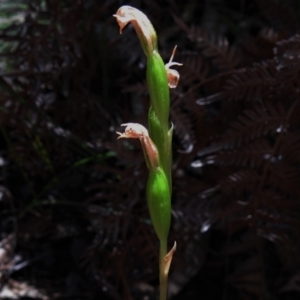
(194, 69)
(183, 127)
(289, 148)
(246, 242)
(277, 207)
(261, 46)
(248, 84)
(252, 155)
(262, 81)
(215, 47)
(284, 177)
(281, 14)
(248, 277)
(240, 183)
(287, 49)
(251, 84)
(183, 124)
(253, 124)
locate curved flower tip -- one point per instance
(173, 75)
(124, 15)
(138, 131)
(141, 24)
(133, 131)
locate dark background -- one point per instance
(74, 221)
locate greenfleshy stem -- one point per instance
(158, 117)
(158, 142)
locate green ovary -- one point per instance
(159, 202)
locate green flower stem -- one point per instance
(157, 144)
(163, 277)
(158, 122)
(158, 117)
(158, 88)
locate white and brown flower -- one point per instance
(138, 131)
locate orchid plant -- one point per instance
(156, 142)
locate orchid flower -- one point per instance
(173, 75)
(141, 24)
(138, 131)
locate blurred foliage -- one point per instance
(74, 222)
